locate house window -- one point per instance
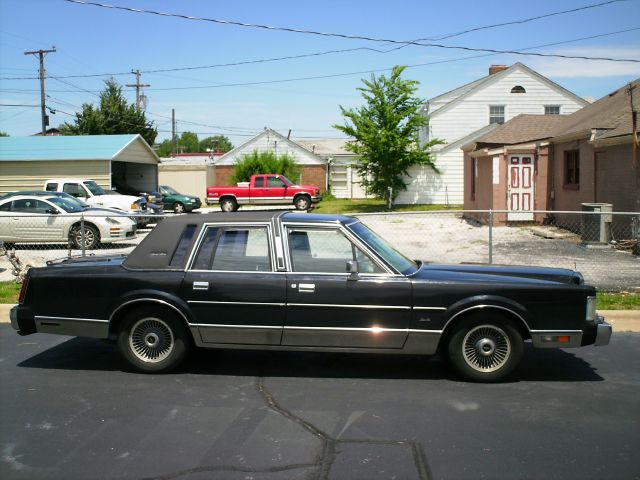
(552, 109)
(572, 169)
(496, 114)
(518, 89)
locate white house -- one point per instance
(313, 168)
(465, 113)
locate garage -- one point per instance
(27, 162)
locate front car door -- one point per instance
(32, 221)
(232, 287)
(274, 191)
(328, 307)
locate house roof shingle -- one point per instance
(611, 114)
(522, 129)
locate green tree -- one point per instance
(114, 115)
(188, 143)
(265, 162)
(386, 133)
(218, 143)
(4, 134)
(164, 148)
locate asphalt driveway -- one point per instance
(68, 410)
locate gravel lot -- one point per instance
(442, 238)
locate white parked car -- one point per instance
(35, 218)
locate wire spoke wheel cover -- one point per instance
(151, 340)
(486, 348)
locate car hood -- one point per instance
(498, 273)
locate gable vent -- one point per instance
(518, 89)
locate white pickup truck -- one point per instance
(93, 194)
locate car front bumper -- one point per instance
(603, 332)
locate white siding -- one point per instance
(269, 141)
(470, 114)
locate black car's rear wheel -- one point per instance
(485, 348)
(153, 340)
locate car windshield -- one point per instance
(389, 254)
(94, 187)
(167, 190)
(285, 180)
(67, 205)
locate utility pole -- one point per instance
(41, 54)
(173, 132)
(137, 86)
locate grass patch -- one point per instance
(371, 205)
(9, 292)
(618, 301)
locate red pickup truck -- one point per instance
(271, 189)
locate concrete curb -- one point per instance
(622, 320)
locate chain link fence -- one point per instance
(604, 247)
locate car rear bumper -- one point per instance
(22, 321)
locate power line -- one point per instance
(525, 20)
(17, 105)
(335, 75)
(306, 55)
(347, 36)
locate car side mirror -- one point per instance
(352, 269)
(51, 211)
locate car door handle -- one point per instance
(306, 287)
(201, 285)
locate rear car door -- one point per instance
(232, 287)
(328, 307)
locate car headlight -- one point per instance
(591, 309)
(112, 221)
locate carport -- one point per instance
(27, 162)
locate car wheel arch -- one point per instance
(120, 313)
(507, 313)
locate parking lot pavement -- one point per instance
(69, 411)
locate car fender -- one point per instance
(489, 302)
(138, 297)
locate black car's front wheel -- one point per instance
(153, 340)
(485, 348)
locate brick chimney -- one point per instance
(496, 68)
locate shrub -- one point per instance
(265, 162)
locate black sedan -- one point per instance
(264, 280)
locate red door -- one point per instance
(274, 191)
(520, 188)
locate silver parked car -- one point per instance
(36, 218)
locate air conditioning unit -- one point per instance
(596, 222)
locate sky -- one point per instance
(91, 40)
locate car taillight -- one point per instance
(23, 290)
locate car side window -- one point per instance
(52, 187)
(30, 206)
(239, 249)
(326, 251)
(274, 182)
(180, 253)
(244, 249)
(5, 207)
(259, 182)
(74, 190)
